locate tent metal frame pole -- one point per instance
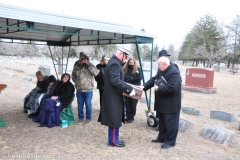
(53, 61)
(150, 95)
(69, 48)
(148, 101)
(140, 63)
(62, 60)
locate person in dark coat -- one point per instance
(167, 85)
(30, 103)
(112, 111)
(42, 82)
(100, 77)
(49, 115)
(165, 54)
(64, 91)
(132, 75)
(52, 83)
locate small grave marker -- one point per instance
(221, 115)
(217, 134)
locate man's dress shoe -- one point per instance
(157, 141)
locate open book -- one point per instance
(138, 92)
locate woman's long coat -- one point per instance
(112, 113)
(65, 92)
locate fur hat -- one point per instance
(163, 53)
(51, 79)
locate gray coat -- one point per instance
(112, 113)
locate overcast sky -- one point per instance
(169, 20)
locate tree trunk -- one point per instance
(218, 67)
(60, 69)
(192, 63)
(228, 65)
(197, 62)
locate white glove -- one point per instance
(54, 97)
(132, 93)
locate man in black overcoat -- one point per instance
(167, 86)
(165, 54)
(112, 111)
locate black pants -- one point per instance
(131, 105)
(100, 95)
(168, 127)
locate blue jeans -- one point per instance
(84, 97)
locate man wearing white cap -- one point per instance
(112, 111)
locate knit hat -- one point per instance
(51, 79)
(163, 53)
(82, 56)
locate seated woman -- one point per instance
(50, 113)
(31, 102)
(52, 83)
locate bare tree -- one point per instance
(100, 50)
(58, 54)
(211, 52)
(234, 41)
(88, 50)
(12, 49)
(171, 50)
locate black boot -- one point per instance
(156, 129)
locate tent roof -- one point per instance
(29, 25)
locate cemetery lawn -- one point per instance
(22, 138)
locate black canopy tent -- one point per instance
(38, 27)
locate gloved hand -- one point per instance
(54, 97)
(85, 65)
(132, 93)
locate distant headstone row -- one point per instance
(9, 74)
(26, 79)
(18, 70)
